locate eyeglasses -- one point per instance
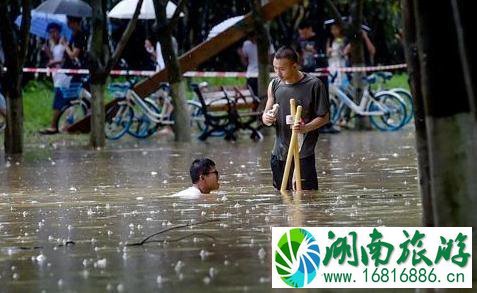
(213, 172)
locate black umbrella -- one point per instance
(76, 8)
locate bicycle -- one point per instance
(386, 110)
(385, 76)
(136, 116)
(78, 107)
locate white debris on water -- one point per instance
(100, 263)
(40, 258)
(179, 265)
(262, 253)
(212, 272)
(204, 254)
(264, 280)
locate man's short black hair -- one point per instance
(200, 167)
(53, 25)
(286, 52)
(304, 24)
(73, 18)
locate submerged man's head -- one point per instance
(204, 175)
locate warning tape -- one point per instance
(319, 71)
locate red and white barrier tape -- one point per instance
(319, 71)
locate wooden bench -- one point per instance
(227, 110)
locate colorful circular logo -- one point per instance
(297, 257)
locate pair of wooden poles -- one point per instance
(293, 150)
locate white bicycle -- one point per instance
(386, 110)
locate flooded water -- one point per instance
(66, 213)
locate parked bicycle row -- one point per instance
(223, 111)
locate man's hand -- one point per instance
(300, 128)
(268, 119)
(63, 42)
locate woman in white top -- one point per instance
(56, 55)
(156, 55)
(335, 51)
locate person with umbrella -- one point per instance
(76, 47)
(55, 52)
(75, 51)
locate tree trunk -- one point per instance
(263, 48)
(182, 120)
(15, 49)
(450, 122)
(97, 137)
(14, 131)
(357, 58)
(466, 22)
(99, 57)
(181, 115)
(410, 50)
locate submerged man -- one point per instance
(310, 93)
(205, 178)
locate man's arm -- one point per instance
(313, 124)
(267, 119)
(71, 50)
(321, 110)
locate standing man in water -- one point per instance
(310, 93)
(204, 176)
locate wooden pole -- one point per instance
(291, 148)
(296, 152)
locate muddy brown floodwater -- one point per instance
(67, 213)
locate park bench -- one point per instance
(228, 110)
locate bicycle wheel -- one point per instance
(118, 120)
(196, 115)
(394, 112)
(408, 101)
(141, 125)
(71, 114)
(197, 118)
